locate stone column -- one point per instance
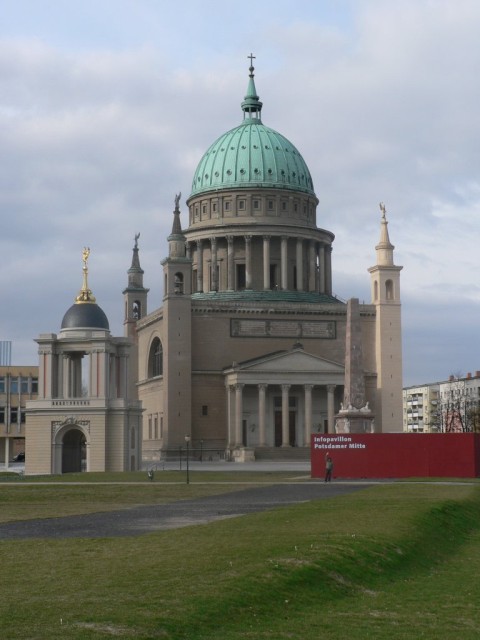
(58, 376)
(93, 381)
(213, 248)
(230, 422)
(321, 273)
(331, 407)
(112, 367)
(308, 414)
(248, 262)
(44, 386)
(328, 270)
(284, 265)
(285, 416)
(312, 266)
(199, 266)
(66, 384)
(262, 415)
(238, 414)
(266, 262)
(230, 265)
(103, 372)
(299, 257)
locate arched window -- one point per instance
(155, 359)
(389, 290)
(136, 310)
(178, 283)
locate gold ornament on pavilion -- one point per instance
(85, 294)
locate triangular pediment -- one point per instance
(293, 361)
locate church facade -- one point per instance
(250, 352)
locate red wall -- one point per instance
(397, 455)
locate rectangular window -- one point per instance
(204, 410)
(22, 416)
(2, 415)
(273, 276)
(241, 204)
(150, 427)
(23, 385)
(226, 205)
(161, 426)
(256, 204)
(34, 385)
(270, 205)
(214, 206)
(2, 384)
(241, 277)
(13, 415)
(155, 427)
(14, 385)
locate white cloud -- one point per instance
(101, 126)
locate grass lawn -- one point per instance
(394, 561)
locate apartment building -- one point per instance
(17, 385)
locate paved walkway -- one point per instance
(146, 519)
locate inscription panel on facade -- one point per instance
(283, 329)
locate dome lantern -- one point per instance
(252, 107)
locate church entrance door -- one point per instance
(291, 428)
(73, 451)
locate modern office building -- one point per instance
(17, 386)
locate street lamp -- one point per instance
(187, 441)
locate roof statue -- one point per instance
(85, 312)
(177, 199)
(137, 236)
(85, 294)
(383, 210)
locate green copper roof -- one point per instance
(249, 295)
(251, 156)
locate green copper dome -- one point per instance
(251, 156)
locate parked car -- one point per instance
(20, 457)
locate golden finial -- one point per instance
(85, 294)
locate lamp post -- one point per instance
(187, 441)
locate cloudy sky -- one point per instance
(106, 107)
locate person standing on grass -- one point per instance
(328, 468)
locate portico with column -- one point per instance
(281, 399)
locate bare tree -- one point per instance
(459, 409)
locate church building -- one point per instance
(250, 352)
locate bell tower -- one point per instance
(385, 289)
(135, 295)
(177, 337)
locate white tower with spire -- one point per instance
(385, 288)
